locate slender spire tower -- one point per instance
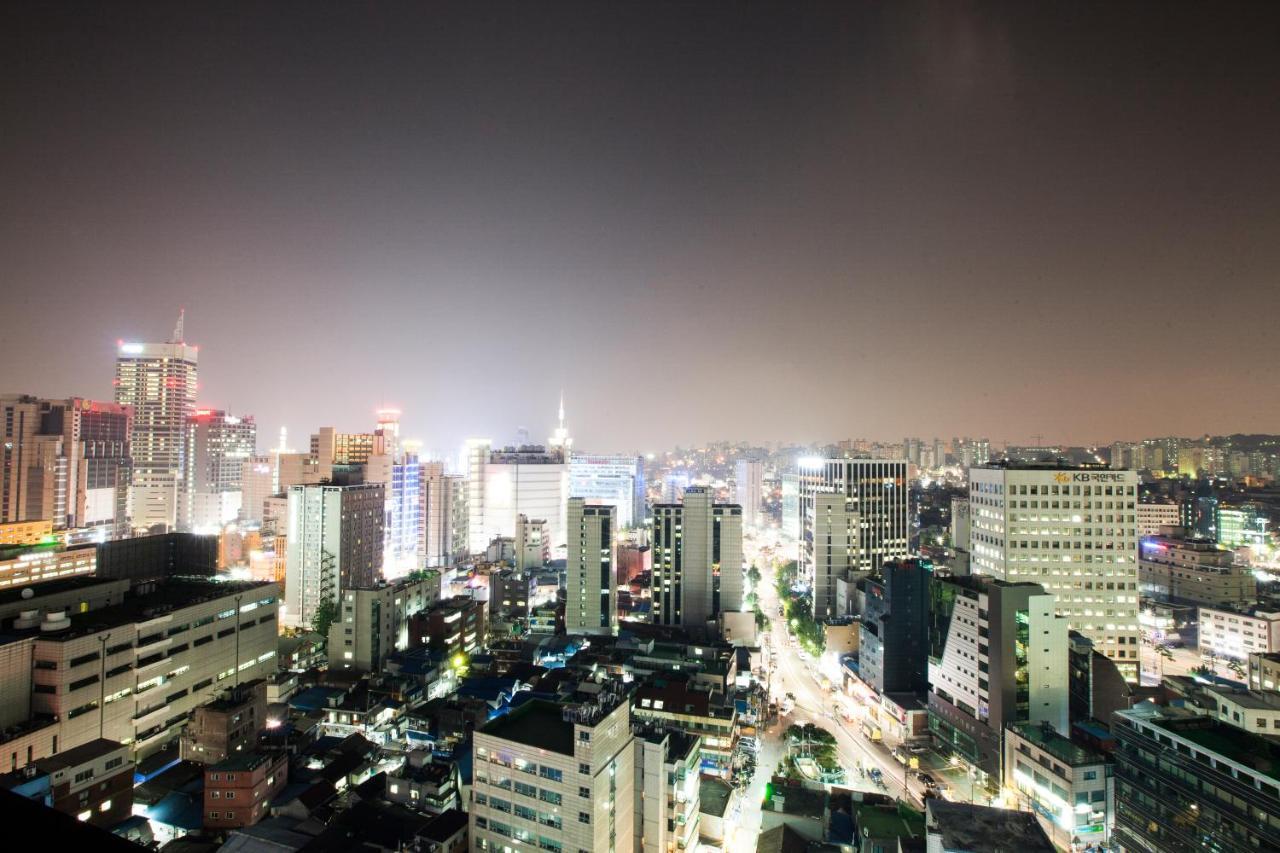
(560, 438)
(177, 330)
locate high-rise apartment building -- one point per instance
(529, 480)
(218, 447)
(610, 480)
(998, 655)
(591, 599)
(559, 777)
(893, 648)
(159, 382)
(334, 542)
(834, 550)
(444, 498)
(748, 489)
(373, 622)
(1072, 530)
(697, 559)
(877, 492)
(68, 462)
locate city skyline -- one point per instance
(1034, 219)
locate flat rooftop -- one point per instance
(1057, 744)
(537, 723)
(80, 754)
(963, 826)
(174, 594)
(75, 583)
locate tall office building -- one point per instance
(334, 542)
(876, 490)
(748, 489)
(591, 600)
(444, 499)
(68, 462)
(610, 480)
(998, 655)
(219, 446)
(1072, 530)
(159, 382)
(400, 472)
(528, 480)
(697, 559)
(834, 550)
(893, 646)
(257, 484)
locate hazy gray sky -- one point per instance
(741, 221)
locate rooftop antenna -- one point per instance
(177, 330)
(562, 408)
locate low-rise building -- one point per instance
(22, 565)
(1177, 569)
(1067, 785)
(238, 791)
(667, 791)
(967, 828)
(1187, 782)
(453, 626)
(1256, 711)
(426, 785)
(227, 725)
(1153, 516)
(373, 622)
(696, 712)
(1236, 634)
(1264, 670)
(92, 782)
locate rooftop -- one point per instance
(1057, 744)
(713, 796)
(539, 723)
(13, 594)
(246, 761)
(963, 826)
(79, 755)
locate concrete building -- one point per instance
(401, 479)
(92, 782)
(1264, 671)
(876, 491)
(968, 828)
(962, 559)
(453, 626)
(257, 484)
(893, 643)
(67, 462)
(748, 489)
(330, 447)
(1067, 786)
(159, 382)
(334, 543)
(591, 588)
(1173, 568)
(1074, 532)
(238, 790)
(218, 446)
(445, 530)
(511, 596)
(998, 656)
(666, 789)
(529, 480)
(531, 545)
(24, 565)
(129, 669)
(833, 547)
(610, 480)
(1185, 782)
(38, 532)
(697, 559)
(1236, 634)
(558, 777)
(228, 725)
(1154, 516)
(373, 622)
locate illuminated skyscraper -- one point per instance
(591, 599)
(334, 543)
(159, 382)
(697, 559)
(748, 489)
(610, 480)
(502, 484)
(219, 446)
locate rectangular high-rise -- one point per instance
(877, 491)
(748, 489)
(334, 542)
(591, 600)
(697, 559)
(1074, 531)
(159, 382)
(444, 500)
(219, 446)
(612, 480)
(529, 480)
(68, 462)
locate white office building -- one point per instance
(219, 447)
(1073, 531)
(444, 510)
(591, 599)
(610, 480)
(877, 492)
(529, 480)
(1153, 516)
(334, 543)
(748, 489)
(555, 777)
(159, 382)
(697, 559)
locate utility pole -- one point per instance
(236, 678)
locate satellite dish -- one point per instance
(28, 593)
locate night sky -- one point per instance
(805, 222)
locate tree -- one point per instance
(324, 616)
(753, 575)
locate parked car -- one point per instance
(749, 743)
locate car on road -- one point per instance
(749, 743)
